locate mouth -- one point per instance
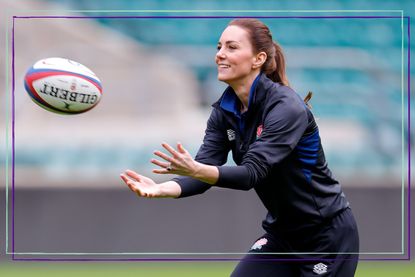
(222, 65)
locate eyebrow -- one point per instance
(229, 41)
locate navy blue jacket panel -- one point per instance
(278, 153)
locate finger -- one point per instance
(170, 149)
(181, 148)
(163, 156)
(132, 187)
(140, 193)
(162, 171)
(124, 178)
(160, 163)
(129, 183)
(133, 174)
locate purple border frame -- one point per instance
(408, 258)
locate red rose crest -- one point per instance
(259, 131)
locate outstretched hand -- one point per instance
(141, 185)
(180, 162)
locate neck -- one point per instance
(242, 89)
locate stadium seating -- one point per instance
(353, 65)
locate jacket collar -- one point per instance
(230, 102)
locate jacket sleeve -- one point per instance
(284, 125)
(213, 151)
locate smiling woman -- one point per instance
(243, 54)
(276, 147)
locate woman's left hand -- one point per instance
(180, 162)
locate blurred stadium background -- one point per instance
(159, 79)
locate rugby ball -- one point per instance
(63, 86)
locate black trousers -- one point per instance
(330, 251)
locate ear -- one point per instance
(259, 60)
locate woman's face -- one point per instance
(235, 57)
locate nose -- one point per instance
(220, 54)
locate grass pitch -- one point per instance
(170, 269)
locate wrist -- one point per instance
(169, 189)
(206, 173)
(197, 172)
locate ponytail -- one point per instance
(276, 70)
(261, 39)
(307, 99)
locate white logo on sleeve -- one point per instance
(259, 243)
(320, 268)
(231, 134)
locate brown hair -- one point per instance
(261, 40)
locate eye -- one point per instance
(218, 47)
(232, 47)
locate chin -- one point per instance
(223, 78)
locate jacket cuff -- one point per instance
(190, 186)
(234, 177)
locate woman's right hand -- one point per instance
(146, 187)
(141, 185)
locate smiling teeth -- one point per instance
(224, 66)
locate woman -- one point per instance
(276, 146)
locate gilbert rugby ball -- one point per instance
(63, 86)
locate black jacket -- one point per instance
(277, 152)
